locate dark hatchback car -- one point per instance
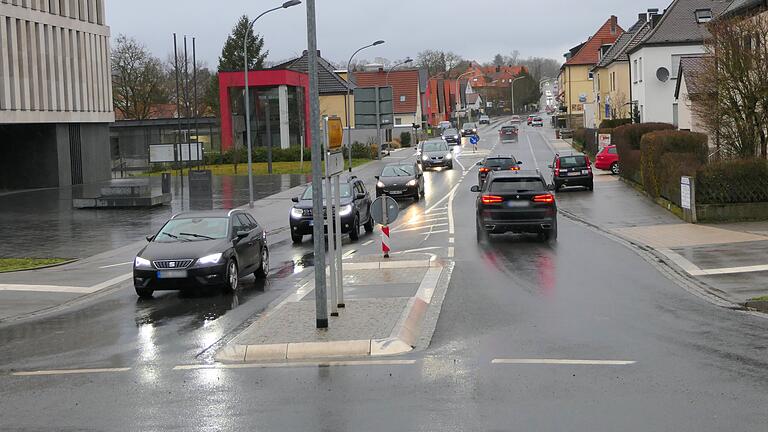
(469, 129)
(508, 134)
(496, 163)
(452, 136)
(404, 180)
(355, 211)
(435, 154)
(202, 249)
(517, 202)
(572, 170)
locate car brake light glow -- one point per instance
(491, 199)
(515, 168)
(484, 170)
(557, 167)
(546, 198)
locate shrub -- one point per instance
(656, 174)
(405, 139)
(614, 123)
(627, 140)
(732, 181)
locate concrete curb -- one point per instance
(403, 338)
(30, 269)
(761, 306)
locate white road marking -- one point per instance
(429, 210)
(46, 288)
(530, 146)
(116, 265)
(113, 281)
(420, 228)
(69, 371)
(451, 240)
(368, 243)
(297, 365)
(563, 362)
(451, 252)
(694, 270)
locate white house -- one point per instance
(678, 32)
(685, 94)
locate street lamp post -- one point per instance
(458, 96)
(346, 100)
(247, 95)
(386, 80)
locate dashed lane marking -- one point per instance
(421, 228)
(563, 362)
(69, 371)
(368, 243)
(297, 365)
(116, 265)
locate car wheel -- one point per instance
(233, 277)
(354, 235)
(615, 168)
(591, 187)
(297, 238)
(369, 225)
(145, 293)
(482, 235)
(263, 270)
(450, 167)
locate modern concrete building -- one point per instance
(55, 93)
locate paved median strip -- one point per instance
(563, 362)
(69, 372)
(297, 365)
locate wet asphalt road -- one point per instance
(698, 367)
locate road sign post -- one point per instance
(334, 166)
(330, 218)
(384, 211)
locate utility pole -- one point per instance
(321, 302)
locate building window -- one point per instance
(703, 15)
(402, 98)
(634, 66)
(591, 75)
(640, 67)
(398, 121)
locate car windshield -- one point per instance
(469, 125)
(504, 163)
(398, 171)
(450, 132)
(517, 185)
(572, 161)
(346, 192)
(509, 129)
(435, 147)
(192, 229)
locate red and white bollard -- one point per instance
(385, 240)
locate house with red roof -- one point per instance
(406, 92)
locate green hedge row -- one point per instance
(614, 123)
(627, 141)
(667, 155)
(733, 181)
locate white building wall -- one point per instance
(54, 62)
(655, 98)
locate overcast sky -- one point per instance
(475, 29)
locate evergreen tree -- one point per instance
(231, 58)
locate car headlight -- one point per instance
(140, 262)
(449, 156)
(412, 182)
(210, 259)
(425, 157)
(456, 136)
(380, 184)
(346, 210)
(474, 130)
(297, 213)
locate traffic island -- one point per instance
(391, 308)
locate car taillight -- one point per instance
(515, 168)
(546, 198)
(484, 170)
(492, 199)
(557, 167)
(589, 164)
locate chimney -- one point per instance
(614, 24)
(381, 69)
(642, 17)
(498, 69)
(655, 20)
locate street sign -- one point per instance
(334, 163)
(685, 192)
(474, 139)
(365, 107)
(377, 210)
(335, 133)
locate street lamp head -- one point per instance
(290, 3)
(378, 42)
(408, 60)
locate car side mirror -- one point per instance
(479, 163)
(150, 238)
(475, 189)
(551, 187)
(550, 166)
(377, 177)
(519, 162)
(295, 199)
(242, 234)
(360, 196)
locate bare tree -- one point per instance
(499, 60)
(729, 94)
(137, 79)
(204, 78)
(436, 61)
(540, 67)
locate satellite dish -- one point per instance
(662, 74)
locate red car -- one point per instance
(530, 120)
(608, 159)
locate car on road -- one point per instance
(537, 122)
(608, 159)
(530, 120)
(435, 153)
(484, 119)
(444, 125)
(202, 249)
(452, 136)
(572, 170)
(516, 202)
(469, 129)
(496, 163)
(508, 133)
(355, 210)
(515, 119)
(401, 180)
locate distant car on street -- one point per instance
(201, 249)
(496, 163)
(444, 125)
(572, 170)
(484, 119)
(355, 211)
(508, 133)
(452, 136)
(469, 129)
(530, 120)
(435, 153)
(537, 122)
(608, 159)
(517, 202)
(515, 119)
(402, 180)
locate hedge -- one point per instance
(732, 182)
(614, 123)
(627, 141)
(666, 155)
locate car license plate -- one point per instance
(574, 174)
(172, 274)
(513, 204)
(311, 223)
(584, 172)
(396, 192)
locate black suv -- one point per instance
(469, 129)
(355, 211)
(518, 202)
(451, 136)
(496, 163)
(572, 170)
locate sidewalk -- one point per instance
(391, 308)
(728, 261)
